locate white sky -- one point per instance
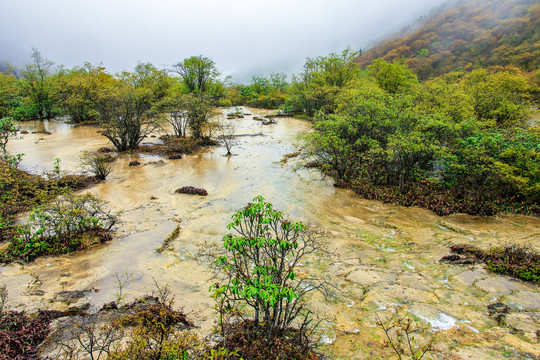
(244, 38)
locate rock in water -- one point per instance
(191, 190)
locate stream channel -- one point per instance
(386, 257)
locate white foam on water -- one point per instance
(328, 339)
(442, 227)
(441, 322)
(380, 306)
(473, 329)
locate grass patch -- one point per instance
(519, 261)
(176, 145)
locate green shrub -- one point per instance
(69, 223)
(258, 269)
(520, 261)
(7, 130)
(98, 164)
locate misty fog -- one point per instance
(244, 38)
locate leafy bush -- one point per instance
(259, 270)
(20, 191)
(520, 261)
(69, 223)
(445, 145)
(7, 130)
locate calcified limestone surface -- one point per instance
(386, 258)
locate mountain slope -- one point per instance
(464, 34)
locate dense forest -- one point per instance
(466, 35)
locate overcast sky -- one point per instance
(243, 37)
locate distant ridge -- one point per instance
(465, 34)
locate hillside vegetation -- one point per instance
(466, 35)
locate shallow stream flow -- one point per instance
(386, 257)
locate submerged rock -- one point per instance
(175, 156)
(191, 190)
(69, 296)
(134, 163)
(105, 150)
(525, 300)
(498, 311)
(458, 260)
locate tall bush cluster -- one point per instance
(462, 142)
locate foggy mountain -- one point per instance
(464, 34)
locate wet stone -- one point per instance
(498, 286)
(415, 281)
(69, 296)
(37, 293)
(524, 300)
(471, 276)
(454, 297)
(458, 260)
(528, 324)
(191, 190)
(79, 306)
(474, 352)
(371, 277)
(434, 316)
(395, 294)
(530, 351)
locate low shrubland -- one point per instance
(21, 191)
(68, 223)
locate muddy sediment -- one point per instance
(386, 257)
